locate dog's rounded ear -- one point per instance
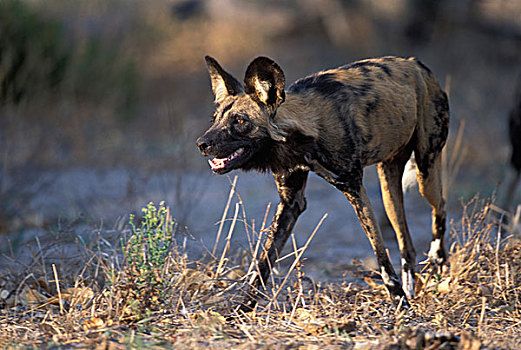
(223, 83)
(264, 81)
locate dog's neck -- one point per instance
(297, 113)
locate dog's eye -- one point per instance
(239, 120)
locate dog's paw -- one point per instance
(437, 253)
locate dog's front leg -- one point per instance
(292, 203)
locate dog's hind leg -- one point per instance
(429, 180)
(292, 203)
(431, 136)
(390, 173)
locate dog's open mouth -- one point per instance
(221, 165)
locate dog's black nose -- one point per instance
(203, 145)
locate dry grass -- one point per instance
(99, 298)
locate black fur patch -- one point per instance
(514, 130)
(227, 107)
(360, 90)
(441, 103)
(348, 164)
(365, 64)
(370, 106)
(421, 64)
(439, 222)
(325, 84)
(441, 118)
(279, 157)
(436, 141)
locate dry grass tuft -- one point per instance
(115, 300)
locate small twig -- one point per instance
(498, 272)
(254, 261)
(297, 259)
(245, 331)
(266, 213)
(58, 288)
(482, 315)
(20, 286)
(41, 257)
(243, 207)
(228, 242)
(184, 310)
(225, 212)
(299, 295)
(289, 255)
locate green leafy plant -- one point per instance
(147, 252)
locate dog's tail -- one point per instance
(409, 175)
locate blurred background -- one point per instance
(101, 101)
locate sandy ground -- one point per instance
(197, 200)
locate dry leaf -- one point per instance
(43, 284)
(305, 319)
(418, 288)
(218, 317)
(50, 328)
(304, 315)
(31, 296)
(444, 286)
(370, 282)
(80, 295)
(196, 280)
(73, 296)
(11, 301)
(93, 323)
(235, 274)
(484, 290)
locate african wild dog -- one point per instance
(514, 131)
(336, 122)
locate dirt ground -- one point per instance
(96, 197)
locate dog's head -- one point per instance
(243, 127)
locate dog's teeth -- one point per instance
(219, 163)
(235, 154)
(239, 151)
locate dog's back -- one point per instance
(378, 105)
